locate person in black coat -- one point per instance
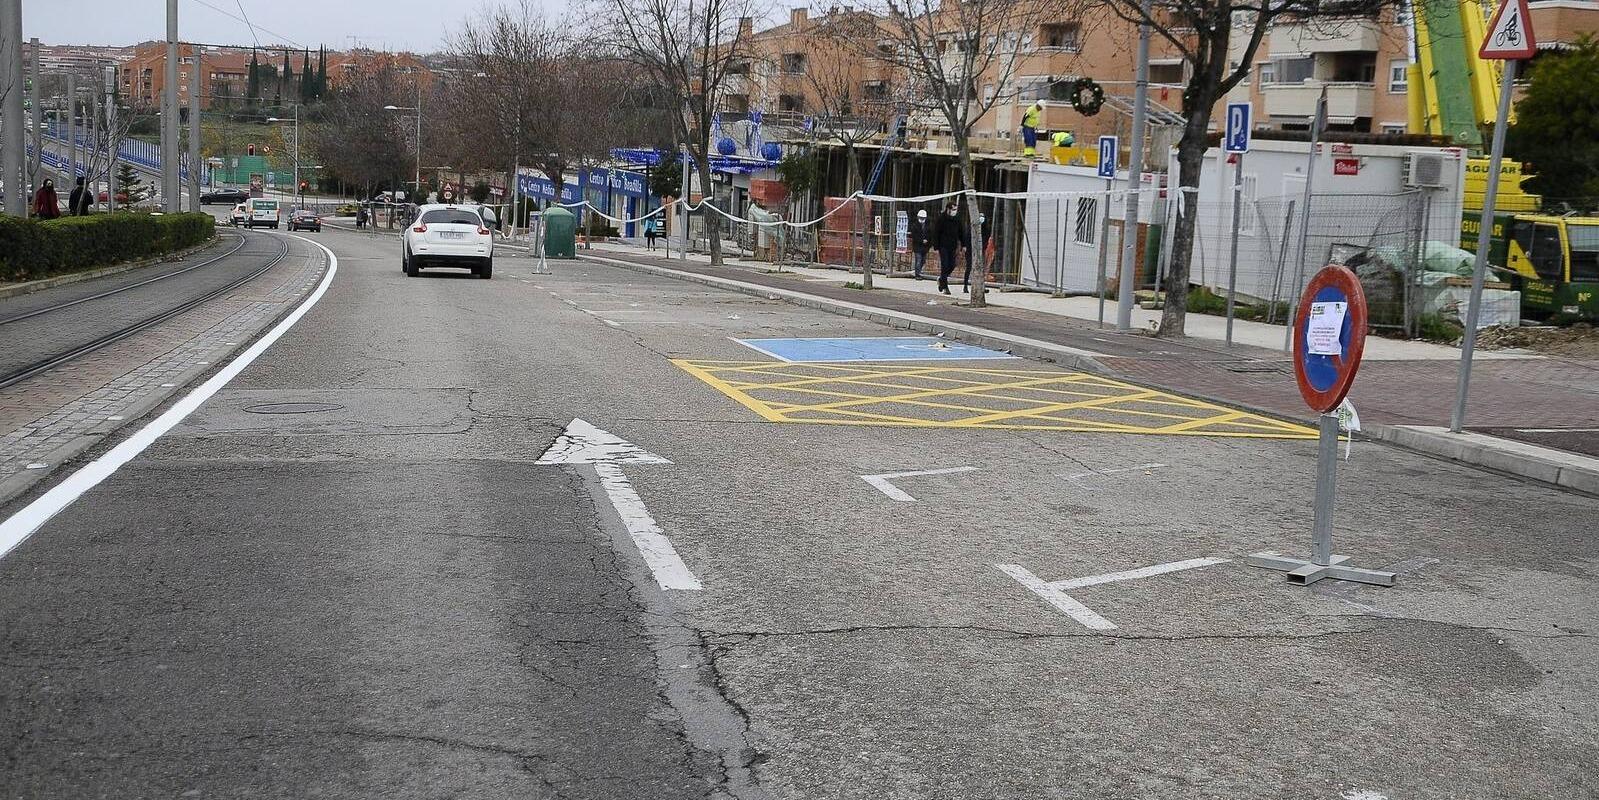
(921, 240)
(78, 200)
(949, 236)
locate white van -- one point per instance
(263, 214)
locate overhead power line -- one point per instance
(253, 28)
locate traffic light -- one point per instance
(249, 149)
(304, 185)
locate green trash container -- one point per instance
(560, 233)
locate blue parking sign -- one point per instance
(1107, 156)
(1237, 138)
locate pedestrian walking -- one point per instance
(650, 232)
(921, 240)
(45, 203)
(949, 236)
(79, 200)
(360, 217)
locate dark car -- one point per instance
(224, 197)
(303, 220)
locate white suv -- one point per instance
(448, 236)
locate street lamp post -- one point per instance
(299, 199)
(418, 110)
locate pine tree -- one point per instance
(286, 83)
(307, 80)
(252, 91)
(321, 71)
(128, 183)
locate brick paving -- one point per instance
(49, 416)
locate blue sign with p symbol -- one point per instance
(1107, 156)
(1237, 138)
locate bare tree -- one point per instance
(358, 141)
(944, 49)
(1201, 32)
(686, 47)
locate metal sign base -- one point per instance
(1305, 572)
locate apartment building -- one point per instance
(84, 61)
(225, 71)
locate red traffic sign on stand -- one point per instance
(1329, 337)
(1509, 33)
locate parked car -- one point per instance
(223, 196)
(302, 219)
(240, 213)
(122, 197)
(448, 236)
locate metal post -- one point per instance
(72, 127)
(12, 143)
(683, 251)
(113, 145)
(92, 159)
(1282, 264)
(171, 187)
(1104, 248)
(299, 195)
(1326, 489)
(418, 198)
(194, 133)
(37, 128)
(1232, 266)
(1135, 171)
(1316, 124)
(860, 223)
(1480, 269)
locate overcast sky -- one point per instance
(419, 25)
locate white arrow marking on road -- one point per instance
(1054, 592)
(886, 487)
(1077, 477)
(582, 443)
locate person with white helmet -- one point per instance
(921, 240)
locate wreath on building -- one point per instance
(1086, 96)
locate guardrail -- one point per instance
(133, 151)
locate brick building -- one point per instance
(225, 71)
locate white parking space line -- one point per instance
(1054, 592)
(1057, 598)
(884, 482)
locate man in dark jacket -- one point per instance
(921, 240)
(78, 201)
(949, 236)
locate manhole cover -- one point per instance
(292, 408)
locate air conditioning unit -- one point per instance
(1424, 170)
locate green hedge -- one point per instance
(31, 249)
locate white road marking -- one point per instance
(30, 518)
(1141, 572)
(611, 322)
(1077, 477)
(669, 570)
(1363, 794)
(884, 484)
(1057, 598)
(583, 443)
(760, 350)
(1054, 592)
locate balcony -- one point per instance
(1325, 36)
(1345, 101)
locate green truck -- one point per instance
(1552, 260)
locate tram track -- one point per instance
(13, 374)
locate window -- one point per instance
(1398, 76)
(1062, 36)
(790, 102)
(1395, 127)
(738, 103)
(1293, 70)
(738, 68)
(1232, 66)
(1548, 257)
(988, 93)
(1355, 67)
(1584, 241)
(1166, 73)
(1087, 226)
(794, 63)
(874, 90)
(453, 216)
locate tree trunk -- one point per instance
(1190, 159)
(713, 220)
(974, 251)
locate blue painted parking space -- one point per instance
(876, 348)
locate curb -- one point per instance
(29, 287)
(1522, 460)
(1566, 470)
(1015, 345)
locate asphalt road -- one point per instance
(346, 576)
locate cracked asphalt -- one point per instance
(384, 596)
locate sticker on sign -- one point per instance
(1325, 328)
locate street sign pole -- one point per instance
(1109, 150)
(1509, 39)
(1235, 142)
(1329, 337)
(1232, 262)
(1135, 175)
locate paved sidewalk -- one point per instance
(1405, 389)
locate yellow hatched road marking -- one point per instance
(959, 394)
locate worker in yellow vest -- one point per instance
(1030, 119)
(1063, 139)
